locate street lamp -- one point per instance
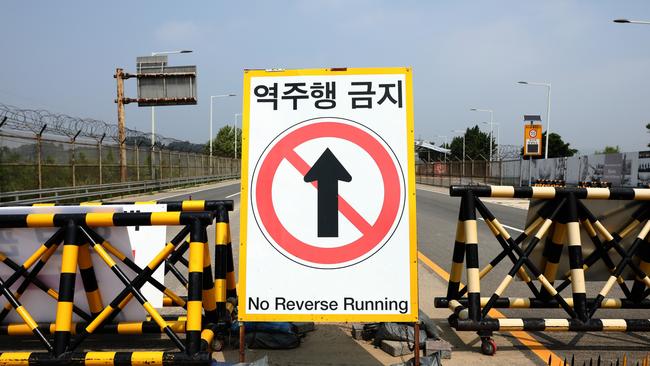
(491, 120)
(153, 109)
(236, 116)
(548, 111)
(627, 21)
(498, 145)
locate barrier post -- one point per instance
(468, 217)
(222, 238)
(458, 258)
(66, 289)
(575, 259)
(194, 290)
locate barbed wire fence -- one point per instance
(41, 149)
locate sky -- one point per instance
(61, 56)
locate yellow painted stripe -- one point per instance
(69, 262)
(14, 358)
(523, 337)
(114, 251)
(36, 256)
(146, 358)
(99, 319)
(26, 317)
(156, 316)
(99, 219)
(99, 358)
(165, 218)
(42, 204)
(95, 303)
(173, 298)
(104, 256)
(19, 330)
(167, 250)
(63, 316)
(145, 202)
(194, 322)
(220, 289)
(195, 205)
(129, 328)
(222, 235)
(40, 220)
(196, 257)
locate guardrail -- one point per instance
(71, 194)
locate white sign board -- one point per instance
(328, 196)
(145, 242)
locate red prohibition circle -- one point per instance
(369, 239)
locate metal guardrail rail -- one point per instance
(72, 194)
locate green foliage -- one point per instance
(224, 143)
(477, 145)
(609, 150)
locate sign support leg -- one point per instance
(416, 338)
(242, 342)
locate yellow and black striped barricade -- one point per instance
(556, 225)
(63, 338)
(224, 285)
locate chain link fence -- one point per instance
(445, 174)
(41, 150)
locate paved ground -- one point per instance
(331, 344)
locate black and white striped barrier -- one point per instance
(557, 225)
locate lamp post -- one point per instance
(491, 122)
(153, 109)
(627, 21)
(498, 145)
(548, 111)
(237, 115)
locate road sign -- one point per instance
(161, 85)
(532, 139)
(328, 196)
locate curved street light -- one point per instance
(548, 110)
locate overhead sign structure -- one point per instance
(328, 226)
(532, 139)
(160, 85)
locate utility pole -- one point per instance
(121, 128)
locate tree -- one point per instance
(224, 143)
(557, 148)
(609, 150)
(477, 144)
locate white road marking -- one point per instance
(505, 226)
(233, 195)
(191, 193)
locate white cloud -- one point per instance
(177, 31)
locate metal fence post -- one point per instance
(39, 158)
(160, 162)
(137, 160)
(500, 172)
(73, 160)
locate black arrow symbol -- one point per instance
(328, 171)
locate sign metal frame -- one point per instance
(410, 195)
